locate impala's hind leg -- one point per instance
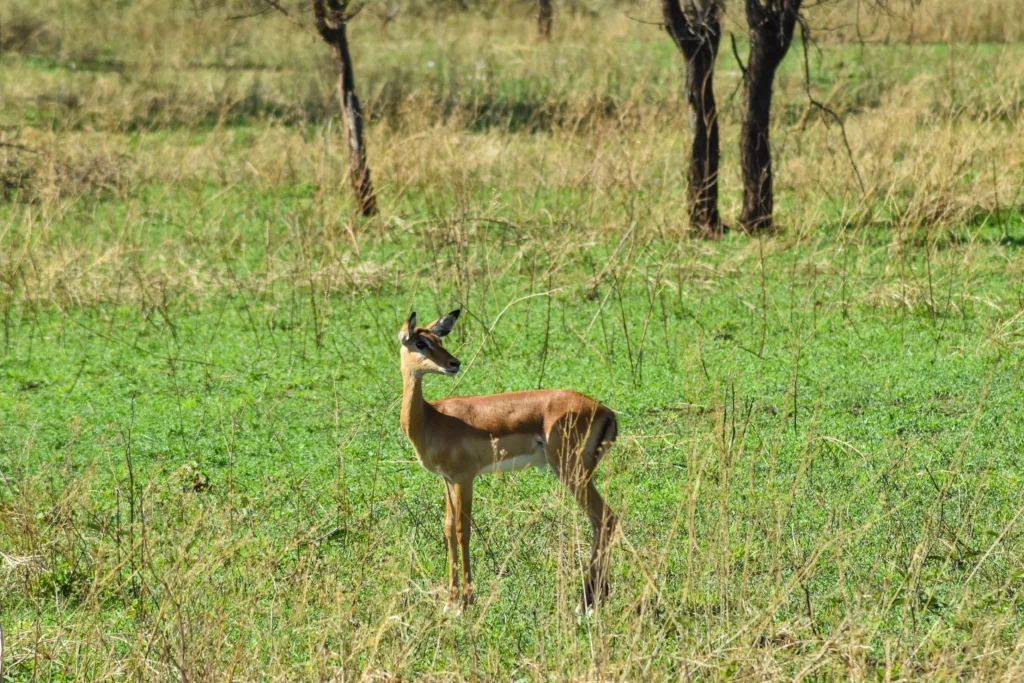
(602, 521)
(569, 449)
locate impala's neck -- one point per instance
(413, 406)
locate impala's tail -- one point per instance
(606, 437)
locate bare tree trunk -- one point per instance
(771, 24)
(330, 22)
(544, 14)
(697, 33)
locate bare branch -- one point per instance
(736, 54)
(238, 17)
(638, 20)
(805, 36)
(274, 4)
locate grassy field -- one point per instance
(202, 474)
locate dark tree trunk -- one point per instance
(771, 24)
(703, 176)
(697, 33)
(544, 15)
(330, 22)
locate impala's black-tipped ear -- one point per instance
(408, 328)
(443, 325)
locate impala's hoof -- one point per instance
(453, 604)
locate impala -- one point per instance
(462, 437)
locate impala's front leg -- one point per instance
(463, 520)
(453, 549)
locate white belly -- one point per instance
(517, 462)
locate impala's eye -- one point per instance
(421, 345)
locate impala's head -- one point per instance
(422, 352)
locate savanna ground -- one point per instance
(202, 474)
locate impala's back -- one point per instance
(531, 428)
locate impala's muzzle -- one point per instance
(453, 367)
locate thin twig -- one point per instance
(805, 36)
(743, 69)
(238, 17)
(659, 24)
(274, 4)
(23, 148)
(490, 330)
(736, 54)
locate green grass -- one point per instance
(883, 437)
(202, 473)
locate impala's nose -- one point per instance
(455, 364)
